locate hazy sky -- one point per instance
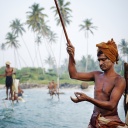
(110, 16)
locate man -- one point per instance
(108, 89)
(20, 91)
(52, 88)
(9, 80)
(54, 85)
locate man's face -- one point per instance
(7, 65)
(104, 63)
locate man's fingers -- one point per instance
(74, 99)
(70, 51)
(78, 93)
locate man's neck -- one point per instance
(110, 73)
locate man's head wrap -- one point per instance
(109, 49)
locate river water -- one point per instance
(41, 111)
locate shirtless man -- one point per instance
(52, 88)
(9, 80)
(108, 89)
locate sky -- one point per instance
(110, 17)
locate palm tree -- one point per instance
(35, 19)
(18, 29)
(11, 41)
(38, 41)
(2, 46)
(87, 26)
(52, 37)
(64, 10)
(123, 46)
(50, 61)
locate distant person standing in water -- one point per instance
(108, 89)
(52, 88)
(20, 91)
(9, 79)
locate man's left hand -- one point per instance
(79, 97)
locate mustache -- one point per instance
(102, 65)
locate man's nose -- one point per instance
(101, 62)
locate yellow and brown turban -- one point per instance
(109, 49)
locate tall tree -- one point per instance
(123, 47)
(38, 41)
(36, 21)
(50, 61)
(18, 30)
(52, 38)
(35, 18)
(87, 26)
(64, 10)
(2, 47)
(11, 41)
(17, 27)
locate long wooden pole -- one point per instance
(65, 32)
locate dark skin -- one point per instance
(8, 72)
(109, 86)
(53, 87)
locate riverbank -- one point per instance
(65, 85)
(30, 86)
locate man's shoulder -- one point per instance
(97, 72)
(120, 80)
(119, 77)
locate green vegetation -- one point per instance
(35, 75)
(41, 76)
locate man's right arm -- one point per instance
(72, 69)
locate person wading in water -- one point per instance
(108, 89)
(9, 79)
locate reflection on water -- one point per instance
(40, 111)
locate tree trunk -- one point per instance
(86, 68)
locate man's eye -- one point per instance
(103, 59)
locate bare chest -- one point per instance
(9, 70)
(104, 86)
